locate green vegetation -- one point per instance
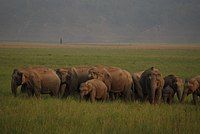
(29, 115)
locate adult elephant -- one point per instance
(75, 76)
(62, 74)
(37, 80)
(192, 87)
(152, 84)
(176, 84)
(116, 80)
(136, 87)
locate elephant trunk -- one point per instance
(81, 96)
(153, 87)
(14, 87)
(184, 95)
(179, 94)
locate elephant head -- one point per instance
(85, 89)
(101, 74)
(19, 77)
(190, 87)
(152, 82)
(62, 74)
(176, 83)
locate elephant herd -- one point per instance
(104, 83)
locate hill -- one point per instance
(113, 21)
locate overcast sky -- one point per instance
(114, 21)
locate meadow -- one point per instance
(50, 115)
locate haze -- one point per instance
(100, 21)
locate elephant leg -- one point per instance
(152, 97)
(62, 90)
(158, 96)
(37, 93)
(170, 101)
(54, 92)
(104, 98)
(112, 96)
(30, 92)
(92, 96)
(127, 95)
(107, 97)
(195, 98)
(145, 97)
(165, 97)
(66, 92)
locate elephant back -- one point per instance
(121, 79)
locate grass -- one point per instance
(50, 115)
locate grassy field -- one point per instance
(50, 115)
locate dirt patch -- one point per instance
(100, 45)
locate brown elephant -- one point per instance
(175, 83)
(76, 76)
(152, 84)
(72, 78)
(116, 80)
(168, 94)
(37, 80)
(192, 87)
(95, 88)
(62, 74)
(136, 87)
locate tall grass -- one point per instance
(50, 115)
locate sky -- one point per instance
(100, 21)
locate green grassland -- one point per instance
(50, 115)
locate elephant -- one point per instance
(71, 78)
(168, 94)
(76, 76)
(36, 80)
(116, 80)
(175, 83)
(192, 87)
(136, 87)
(95, 88)
(62, 74)
(152, 84)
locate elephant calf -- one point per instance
(95, 88)
(192, 87)
(168, 94)
(174, 83)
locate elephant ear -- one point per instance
(91, 72)
(107, 79)
(73, 78)
(90, 86)
(15, 71)
(24, 77)
(196, 85)
(82, 86)
(108, 76)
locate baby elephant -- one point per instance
(95, 89)
(168, 94)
